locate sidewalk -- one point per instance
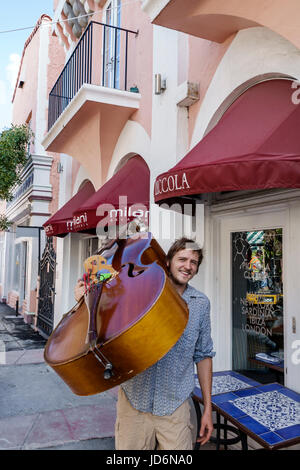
(37, 409)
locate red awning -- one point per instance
(121, 199)
(256, 145)
(62, 222)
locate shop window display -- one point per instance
(257, 301)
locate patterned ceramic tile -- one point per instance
(271, 409)
(226, 383)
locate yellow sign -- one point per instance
(262, 298)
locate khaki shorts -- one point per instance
(136, 430)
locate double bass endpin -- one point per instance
(108, 367)
(108, 371)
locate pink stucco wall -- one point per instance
(55, 66)
(140, 60)
(204, 58)
(24, 100)
(212, 25)
(217, 21)
(97, 160)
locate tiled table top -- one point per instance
(227, 381)
(270, 413)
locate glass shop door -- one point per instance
(257, 304)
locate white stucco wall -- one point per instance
(132, 140)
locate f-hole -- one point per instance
(131, 267)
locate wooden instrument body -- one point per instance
(138, 319)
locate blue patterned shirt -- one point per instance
(163, 387)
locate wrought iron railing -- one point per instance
(101, 57)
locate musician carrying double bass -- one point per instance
(155, 409)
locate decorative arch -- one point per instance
(82, 177)
(133, 140)
(255, 55)
(84, 182)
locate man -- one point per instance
(154, 409)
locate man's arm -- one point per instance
(204, 370)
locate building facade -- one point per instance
(231, 49)
(155, 79)
(36, 197)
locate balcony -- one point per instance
(83, 67)
(94, 96)
(32, 196)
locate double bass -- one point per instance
(129, 317)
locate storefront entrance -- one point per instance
(257, 304)
(255, 292)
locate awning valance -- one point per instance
(62, 222)
(124, 197)
(255, 145)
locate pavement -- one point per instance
(37, 409)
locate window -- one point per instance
(112, 38)
(257, 309)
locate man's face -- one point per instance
(183, 267)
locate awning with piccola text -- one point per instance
(255, 145)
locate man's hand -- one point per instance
(79, 290)
(206, 427)
(204, 370)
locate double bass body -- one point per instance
(121, 327)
